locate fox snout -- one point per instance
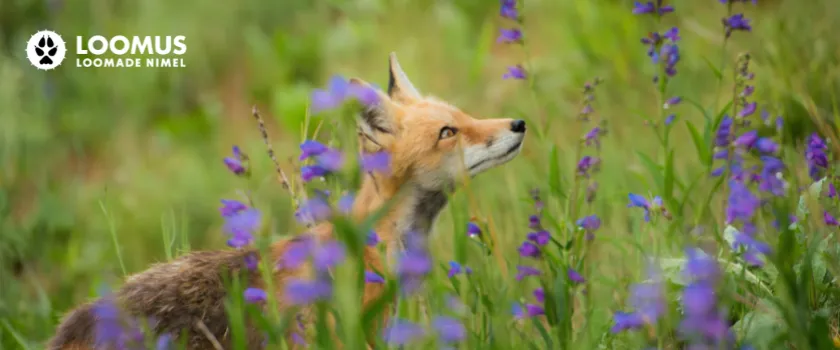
(499, 149)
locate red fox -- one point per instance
(432, 146)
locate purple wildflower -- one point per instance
(832, 191)
(670, 119)
(372, 239)
(328, 255)
(623, 321)
(829, 219)
(585, 164)
(449, 329)
(345, 203)
(539, 294)
(311, 148)
(456, 268)
(242, 226)
(724, 132)
(593, 136)
(402, 332)
(473, 230)
(575, 276)
(515, 72)
(589, 224)
(528, 249)
(525, 271)
(376, 162)
(736, 22)
(338, 91)
(541, 237)
(302, 292)
(749, 109)
(747, 139)
(765, 145)
(373, 277)
(640, 8)
(255, 295)
(510, 36)
(742, 203)
(251, 261)
(231, 207)
(534, 310)
(508, 9)
(297, 252)
(313, 210)
(534, 222)
(815, 156)
(236, 163)
(309, 172)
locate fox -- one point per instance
(433, 146)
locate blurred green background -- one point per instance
(87, 154)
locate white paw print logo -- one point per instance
(45, 50)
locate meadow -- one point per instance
(676, 187)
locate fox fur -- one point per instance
(432, 145)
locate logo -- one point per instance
(45, 50)
(136, 51)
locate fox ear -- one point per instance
(399, 87)
(378, 122)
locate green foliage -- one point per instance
(105, 171)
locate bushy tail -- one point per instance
(76, 330)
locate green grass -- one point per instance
(105, 171)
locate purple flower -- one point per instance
(311, 148)
(235, 163)
(242, 226)
(510, 36)
(251, 261)
(574, 276)
(748, 110)
(673, 34)
(648, 301)
(473, 230)
(525, 271)
(331, 160)
(449, 329)
(593, 136)
(376, 162)
(338, 91)
(296, 253)
(309, 172)
(541, 237)
(623, 321)
(528, 249)
(832, 191)
(456, 268)
(585, 164)
(373, 277)
(829, 219)
(328, 255)
(255, 295)
(670, 119)
(314, 210)
(747, 139)
(345, 203)
(372, 239)
(515, 72)
(508, 9)
(701, 267)
(641, 202)
(736, 22)
(724, 132)
(539, 294)
(753, 249)
(534, 310)
(765, 145)
(742, 203)
(698, 299)
(815, 156)
(748, 91)
(108, 328)
(231, 207)
(534, 222)
(302, 292)
(402, 332)
(589, 224)
(412, 267)
(643, 8)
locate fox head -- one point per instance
(432, 143)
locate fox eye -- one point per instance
(447, 132)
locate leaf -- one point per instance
(554, 173)
(729, 234)
(699, 146)
(654, 170)
(755, 327)
(715, 70)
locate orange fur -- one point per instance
(432, 145)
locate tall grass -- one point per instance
(153, 142)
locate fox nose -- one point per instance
(517, 125)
